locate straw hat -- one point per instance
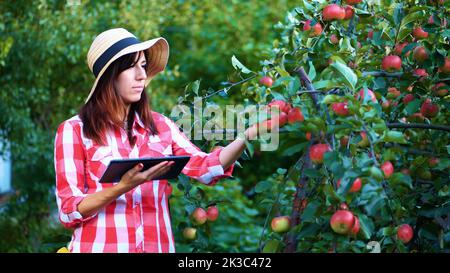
(110, 45)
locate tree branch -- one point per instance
(419, 125)
(381, 74)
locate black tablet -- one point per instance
(118, 167)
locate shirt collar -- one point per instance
(138, 122)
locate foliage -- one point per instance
(44, 80)
(312, 73)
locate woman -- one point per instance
(116, 122)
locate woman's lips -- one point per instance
(138, 88)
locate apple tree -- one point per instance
(364, 88)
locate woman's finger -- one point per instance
(136, 169)
(160, 171)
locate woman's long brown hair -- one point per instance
(106, 107)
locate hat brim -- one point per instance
(158, 54)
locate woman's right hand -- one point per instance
(135, 177)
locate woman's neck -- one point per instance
(127, 110)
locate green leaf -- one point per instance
(281, 80)
(263, 186)
(293, 86)
(250, 148)
(295, 149)
(349, 76)
(309, 230)
(400, 178)
(446, 33)
(330, 158)
(271, 246)
(412, 17)
(393, 136)
(312, 71)
(196, 86)
(398, 14)
(328, 99)
(239, 66)
(367, 226)
(403, 33)
(375, 204)
(325, 84)
(376, 173)
(412, 107)
(312, 173)
(309, 214)
(282, 72)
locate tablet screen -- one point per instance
(118, 167)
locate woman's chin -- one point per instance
(133, 98)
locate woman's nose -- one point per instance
(141, 73)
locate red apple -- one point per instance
(370, 34)
(387, 168)
(212, 213)
(317, 28)
(391, 63)
(431, 21)
(399, 48)
(343, 206)
(199, 216)
(416, 117)
(340, 109)
(420, 54)
(433, 162)
(355, 228)
(283, 106)
(439, 89)
(334, 39)
(445, 68)
(317, 151)
(386, 105)
(419, 33)
(295, 115)
(308, 135)
(348, 12)
(364, 140)
(405, 233)
(189, 233)
(421, 73)
(428, 109)
(267, 81)
(369, 92)
(356, 185)
(408, 98)
(333, 12)
(281, 224)
(342, 221)
(282, 119)
(406, 171)
(393, 93)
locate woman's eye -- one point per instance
(144, 66)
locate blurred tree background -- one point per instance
(44, 80)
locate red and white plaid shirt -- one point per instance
(139, 220)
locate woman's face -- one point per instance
(130, 82)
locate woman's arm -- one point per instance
(233, 151)
(94, 202)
